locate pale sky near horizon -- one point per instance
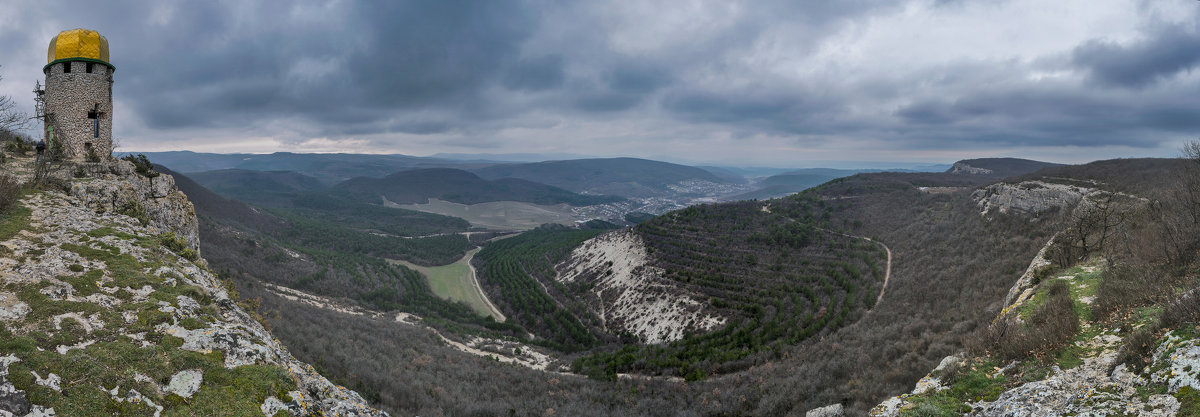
(767, 83)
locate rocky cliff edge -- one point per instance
(106, 308)
(1086, 376)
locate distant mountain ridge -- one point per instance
(270, 188)
(329, 168)
(795, 181)
(998, 167)
(209, 204)
(630, 177)
(455, 185)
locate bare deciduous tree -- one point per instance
(1189, 180)
(11, 119)
(1178, 212)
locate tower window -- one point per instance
(88, 68)
(95, 116)
(66, 68)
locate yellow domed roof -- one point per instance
(78, 44)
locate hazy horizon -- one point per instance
(784, 84)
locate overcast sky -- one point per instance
(757, 82)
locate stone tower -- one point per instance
(78, 95)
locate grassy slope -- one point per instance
(455, 282)
(976, 382)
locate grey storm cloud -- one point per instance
(467, 70)
(212, 64)
(1170, 50)
(536, 73)
(423, 52)
(1035, 115)
(780, 108)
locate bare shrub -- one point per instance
(10, 191)
(1051, 325)
(1055, 322)
(1123, 286)
(1184, 310)
(10, 118)
(16, 143)
(1135, 352)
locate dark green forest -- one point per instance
(781, 275)
(511, 268)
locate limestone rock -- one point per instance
(890, 407)
(631, 295)
(1023, 288)
(834, 410)
(12, 400)
(933, 383)
(1084, 390)
(115, 187)
(963, 168)
(12, 309)
(51, 381)
(1028, 197)
(1182, 360)
(185, 383)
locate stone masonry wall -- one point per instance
(69, 98)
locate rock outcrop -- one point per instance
(1087, 389)
(107, 309)
(632, 296)
(963, 168)
(155, 202)
(834, 410)
(1028, 197)
(1023, 288)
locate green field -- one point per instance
(456, 282)
(498, 214)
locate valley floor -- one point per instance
(457, 282)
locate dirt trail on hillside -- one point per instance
(479, 289)
(475, 278)
(887, 275)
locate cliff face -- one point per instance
(630, 295)
(155, 202)
(106, 308)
